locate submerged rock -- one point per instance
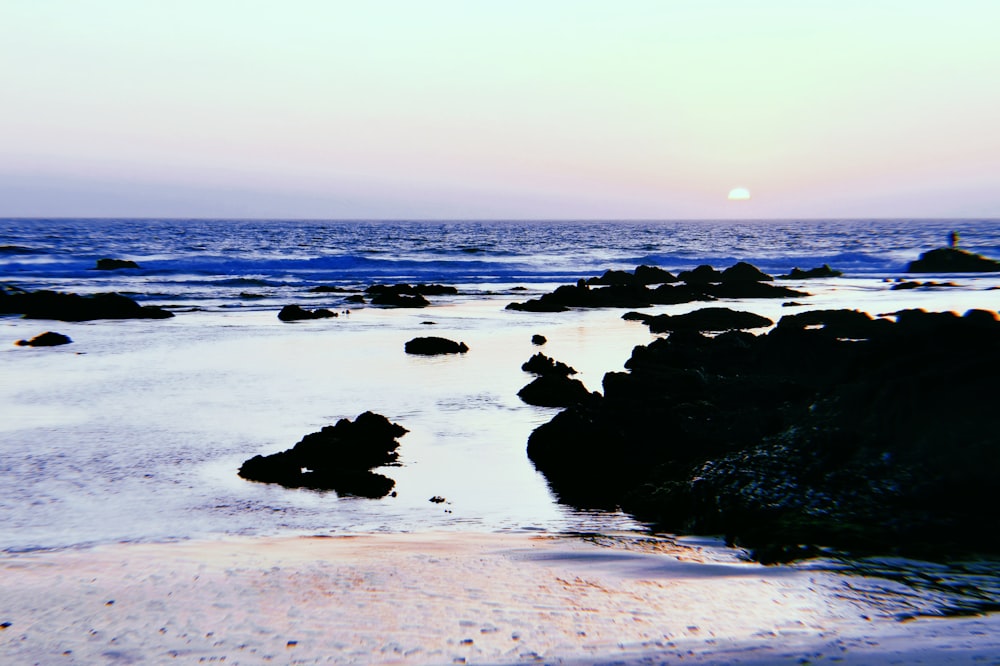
(338, 457)
(433, 346)
(952, 260)
(46, 339)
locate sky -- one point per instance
(541, 109)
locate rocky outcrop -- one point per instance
(405, 295)
(108, 264)
(298, 313)
(340, 457)
(704, 283)
(952, 260)
(823, 271)
(836, 428)
(433, 346)
(44, 304)
(46, 339)
(704, 319)
(552, 386)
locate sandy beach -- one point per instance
(438, 598)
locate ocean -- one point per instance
(134, 432)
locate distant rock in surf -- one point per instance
(433, 346)
(537, 339)
(47, 339)
(823, 271)
(952, 260)
(108, 264)
(703, 283)
(405, 295)
(340, 457)
(298, 313)
(60, 306)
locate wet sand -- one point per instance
(440, 598)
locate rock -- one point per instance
(432, 346)
(47, 339)
(338, 457)
(835, 429)
(707, 319)
(702, 284)
(542, 365)
(437, 499)
(952, 260)
(703, 274)
(653, 275)
(823, 271)
(60, 306)
(744, 272)
(554, 390)
(537, 339)
(107, 264)
(355, 298)
(394, 300)
(329, 289)
(297, 313)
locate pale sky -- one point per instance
(499, 109)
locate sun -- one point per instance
(739, 194)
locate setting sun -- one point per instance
(739, 194)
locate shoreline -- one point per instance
(447, 597)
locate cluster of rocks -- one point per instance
(383, 295)
(340, 457)
(836, 428)
(298, 313)
(44, 304)
(952, 260)
(552, 386)
(625, 290)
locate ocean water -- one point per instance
(135, 431)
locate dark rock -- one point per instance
(432, 346)
(542, 365)
(338, 457)
(707, 319)
(703, 274)
(246, 295)
(637, 316)
(298, 313)
(329, 289)
(702, 284)
(60, 306)
(395, 300)
(47, 339)
(823, 271)
(356, 298)
(614, 278)
(874, 435)
(952, 260)
(654, 275)
(537, 339)
(437, 499)
(107, 264)
(554, 390)
(744, 272)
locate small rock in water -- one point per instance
(46, 339)
(432, 346)
(437, 499)
(538, 339)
